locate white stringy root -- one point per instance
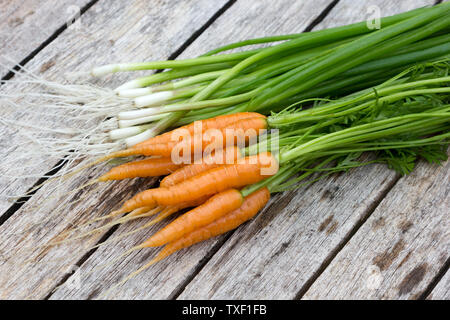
(76, 121)
(78, 117)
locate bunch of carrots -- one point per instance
(252, 123)
(232, 163)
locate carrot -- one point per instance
(211, 161)
(219, 122)
(246, 171)
(216, 206)
(152, 167)
(243, 130)
(251, 205)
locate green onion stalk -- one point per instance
(396, 123)
(392, 141)
(331, 62)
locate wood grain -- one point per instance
(400, 248)
(277, 254)
(165, 279)
(26, 24)
(120, 31)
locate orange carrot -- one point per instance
(214, 160)
(252, 204)
(242, 130)
(216, 206)
(189, 204)
(249, 208)
(246, 171)
(162, 145)
(153, 167)
(211, 123)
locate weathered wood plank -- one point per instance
(442, 289)
(281, 250)
(26, 24)
(110, 31)
(165, 279)
(400, 248)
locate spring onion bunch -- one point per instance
(306, 65)
(290, 68)
(398, 121)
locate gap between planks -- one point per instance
(46, 42)
(427, 294)
(442, 290)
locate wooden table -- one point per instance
(365, 234)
